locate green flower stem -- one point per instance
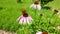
(50, 18)
(25, 29)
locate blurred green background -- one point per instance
(10, 10)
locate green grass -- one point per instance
(11, 10)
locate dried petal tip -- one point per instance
(36, 2)
(45, 33)
(23, 10)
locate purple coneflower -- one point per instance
(24, 18)
(56, 11)
(42, 32)
(36, 5)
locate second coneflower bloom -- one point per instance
(36, 5)
(42, 32)
(56, 11)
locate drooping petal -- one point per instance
(25, 20)
(28, 21)
(39, 33)
(21, 21)
(19, 18)
(32, 6)
(38, 7)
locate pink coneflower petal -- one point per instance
(39, 7)
(39, 33)
(30, 18)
